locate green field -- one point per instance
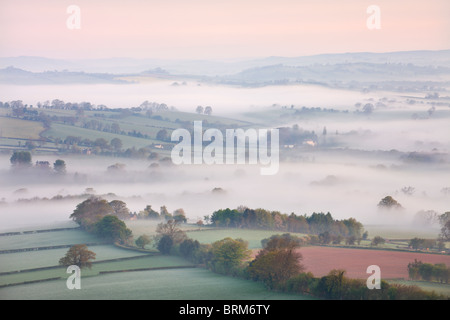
(126, 277)
(44, 239)
(253, 237)
(20, 129)
(136, 123)
(208, 234)
(185, 284)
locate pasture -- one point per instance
(20, 129)
(118, 273)
(171, 284)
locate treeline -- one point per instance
(296, 135)
(22, 160)
(324, 228)
(106, 219)
(418, 270)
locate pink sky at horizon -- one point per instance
(202, 29)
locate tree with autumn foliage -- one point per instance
(278, 261)
(78, 255)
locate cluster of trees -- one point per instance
(148, 213)
(418, 270)
(22, 159)
(206, 110)
(103, 218)
(106, 219)
(115, 144)
(323, 225)
(296, 135)
(305, 110)
(389, 203)
(421, 244)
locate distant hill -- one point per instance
(345, 73)
(12, 75)
(358, 70)
(219, 67)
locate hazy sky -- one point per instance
(219, 28)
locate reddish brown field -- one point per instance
(393, 264)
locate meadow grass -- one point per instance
(45, 239)
(185, 284)
(135, 262)
(21, 129)
(253, 237)
(62, 131)
(46, 258)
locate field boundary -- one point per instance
(18, 233)
(28, 282)
(59, 266)
(48, 247)
(375, 248)
(149, 269)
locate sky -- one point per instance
(219, 29)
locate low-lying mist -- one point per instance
(362, 158)
(336, 185)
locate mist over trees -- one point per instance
(317, 223)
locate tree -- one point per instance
(188, 247)
(115, 128)
(21, 159)
(142, 241)
(229, 254)
(59, 166)
(120, 209)
(149, 213)
(179, 215)
(113, 229)
(444, 221)
(171, 229)
(331, 286)
(78, 255)
(208, 110)
(101, 143)
(377, 240)
(389, 203)
(116, 143)
(164, 213)
(165, 244)
(199, 109)
(162, 135)
(278, 261)
(90, 211)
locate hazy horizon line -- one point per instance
(241, 58)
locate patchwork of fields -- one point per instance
(125, 274)
(116, 273)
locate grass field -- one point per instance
(21, 129)
(175, 284)
(44, 239)
(197, 283)
(208, 234)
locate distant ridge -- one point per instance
(121, 65)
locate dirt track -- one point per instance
(393, 264)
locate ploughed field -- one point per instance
(393, 264)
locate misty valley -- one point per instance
(355, 169)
